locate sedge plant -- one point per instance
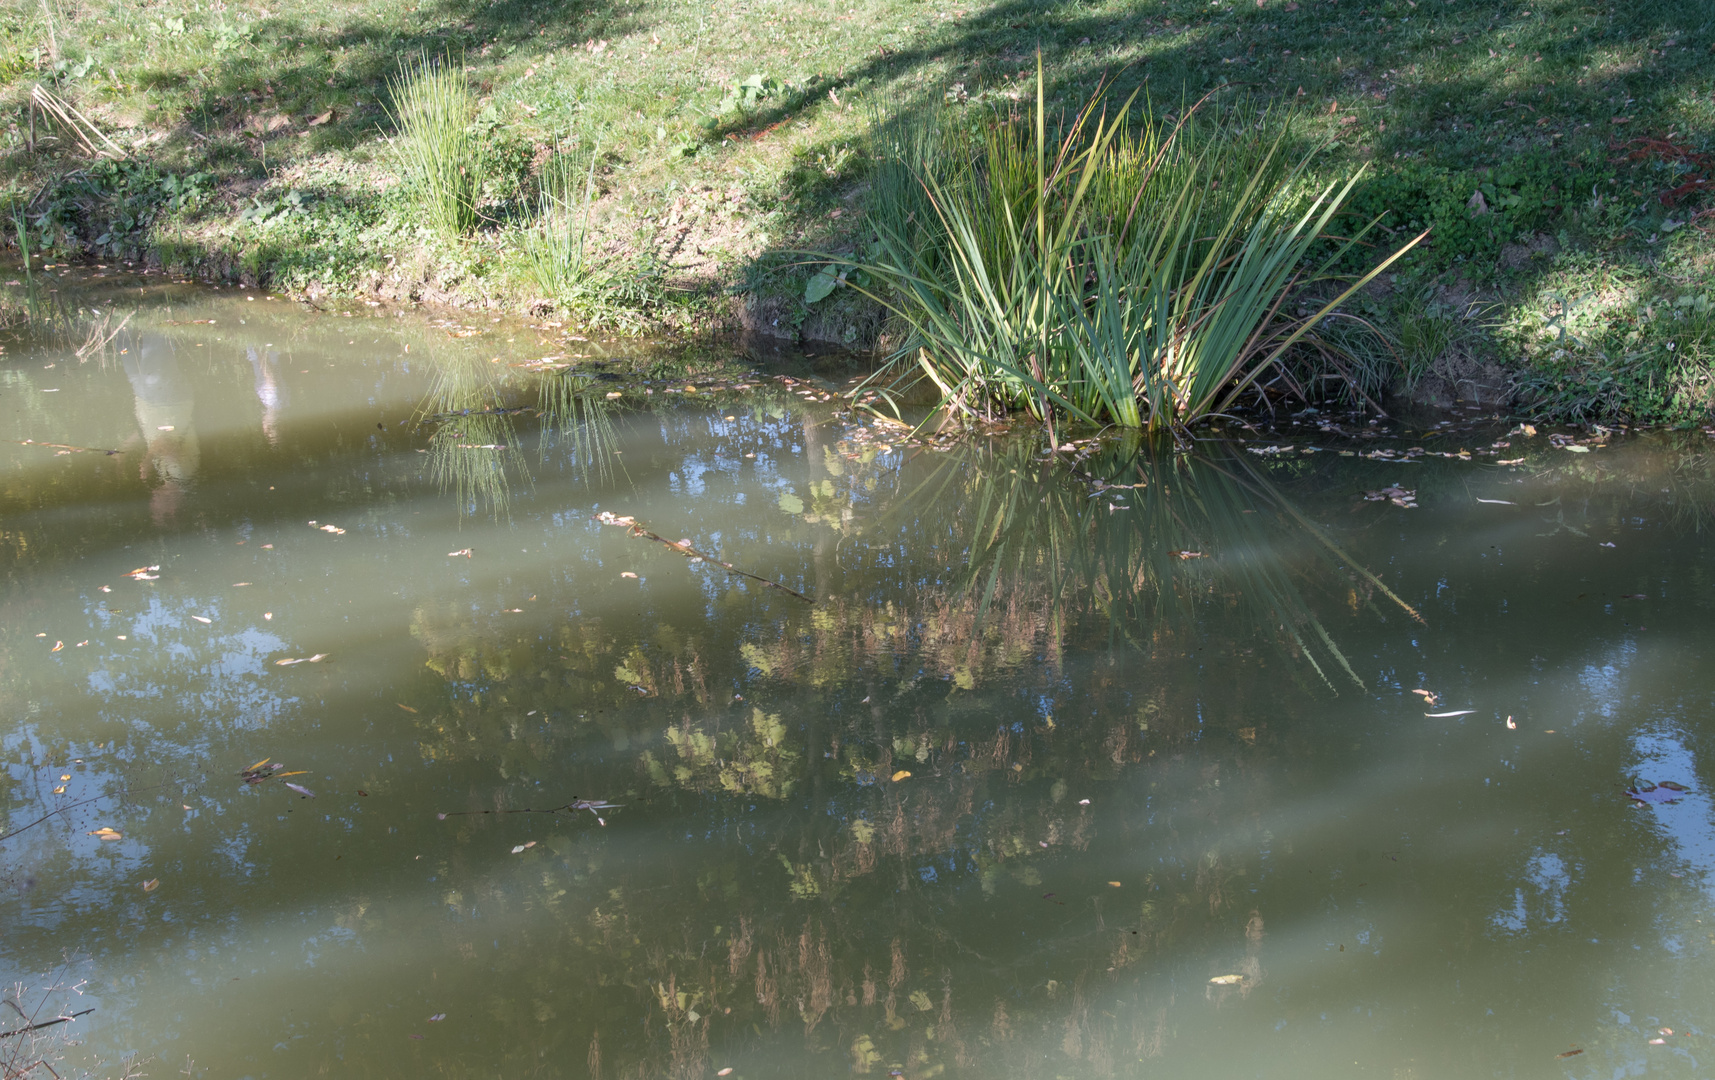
(1111, 275)
(432, 108)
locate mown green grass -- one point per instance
(734, 132)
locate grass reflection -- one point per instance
(474, 447)
(1149, 540)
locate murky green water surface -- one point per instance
(1050, 777)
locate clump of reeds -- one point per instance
(432, 109)
(555, 250)
(1138, 274)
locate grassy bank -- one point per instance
(1555, 149)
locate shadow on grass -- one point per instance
(1440, 97)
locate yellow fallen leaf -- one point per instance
(61, 790)
(58, 645)
(65, 776)
(1115, 884)
(407, 708)
(259, 764)
(1226, 980)
(900, 775)
(201, 619)
(105, 833)
(152, 884)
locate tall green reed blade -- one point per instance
(432, 109)
(1115, 276)
(557, 259)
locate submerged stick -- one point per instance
(31, 1027)
(592, 805)
(68, 448)
(684, 548)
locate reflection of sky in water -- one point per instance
(1663, 755)
(1604, 680)
(1541, 899)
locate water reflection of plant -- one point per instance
(1149, 542)
(913, 718)
(578, 415)
(473, 449)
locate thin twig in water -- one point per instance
(69, 806)
(592, 805)
(69, 448)
(44, 1024)
(684, 548)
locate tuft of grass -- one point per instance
(1109, 275)
(432, 107)
(555, 250)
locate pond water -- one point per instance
(1123, 761)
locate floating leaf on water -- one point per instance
(901, 775)
(1511, 726)
(1633, 596)
(1499, 502)
(437, 1018)
(105, 833)
(152, 884)
(442, 816)
(1114, 884)
(1665, 792)
(58, 645)
(304, 791)
(407, 708)
(1226, 980)
(65, 776)
(627, 574)
(1605, 544)
(1567, 1054)
(61, 790)
(201, 619)
(267, 615)
(256, 766)
(725, 1072)
(1658, 1042)
(461, 551)
(517, 848)
(362, 792)
(1444, 715)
